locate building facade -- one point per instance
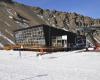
(44, 36)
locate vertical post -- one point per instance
(20, 55)
(86, 44)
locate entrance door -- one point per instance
(64, 43)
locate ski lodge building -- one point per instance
(46, 37)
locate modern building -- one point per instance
(44, 36)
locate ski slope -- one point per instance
(75, 65)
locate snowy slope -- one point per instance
(75, 65)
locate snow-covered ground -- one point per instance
(75, 65)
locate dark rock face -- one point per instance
(70, 21)
(8, 1)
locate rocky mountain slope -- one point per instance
(15, 16)
(70, 21)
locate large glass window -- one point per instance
(34, 36)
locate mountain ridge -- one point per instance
(14, 16)
(66, 19)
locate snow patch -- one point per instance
(1, 45)
(23, 25)
(8, 32)
(97, 40)
(10, 17)
(40, 16)
(8, 40)
(12, 42)
(54, 16)
(11, 12)
(7, 24)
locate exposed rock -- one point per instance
(70, 21)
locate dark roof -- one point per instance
(43, 25)
(29, 27)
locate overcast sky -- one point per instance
(85, 7)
